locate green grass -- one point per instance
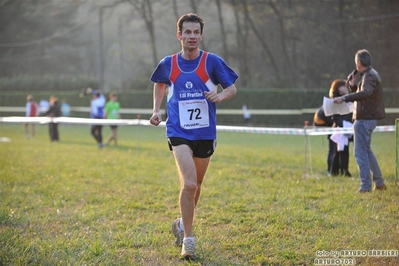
(69, 203)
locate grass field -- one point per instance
(70, 203)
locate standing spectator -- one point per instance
(65, 108)
(44, 106)
(53, 111)
(369, 108)
(112, 112)
(192, 76)
(97, 112)
(246, 114)
(32, 110)
(340, 164)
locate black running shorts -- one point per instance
(200, 148)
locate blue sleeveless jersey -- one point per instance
(190, 114)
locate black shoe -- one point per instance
(383, 187)
(347, 174)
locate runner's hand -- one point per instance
(155, 119)
(212, 96)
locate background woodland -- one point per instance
(116, 44)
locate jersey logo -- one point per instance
(189, 85)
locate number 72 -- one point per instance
(195, 112)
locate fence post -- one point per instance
(397, 150)
(307, 153)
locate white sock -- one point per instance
(188, 238)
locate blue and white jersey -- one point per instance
(97, 107)
(190, 114)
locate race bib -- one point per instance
(194, 114)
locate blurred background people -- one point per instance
(44, 106)
(32, 110)
(54, 111)
(246, 114)
(112, 112)
(97, 112)
(65, 108)
(97, 106)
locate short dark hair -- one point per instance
(364, 57)
(190, 17)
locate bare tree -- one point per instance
(222, 30)
(311, 43)
(31, 34)
(175, 10)
(241, 37)
(263, 43)
(347, 57)
(194, 6)
(283, 39)
(144, 7)
(101, 42)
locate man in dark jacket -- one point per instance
(369, 108)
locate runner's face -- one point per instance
(191, 36)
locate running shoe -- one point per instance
(177, 232)
(188, 249)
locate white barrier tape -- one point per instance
(82, 109)
(73, 120)
(220, 111)
(312, 131)
(330, 130)
(262, 130)
(298, 131)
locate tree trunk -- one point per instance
(288, 63)
(245, 74)
(262, 42)
(145, 10)
(223, 32)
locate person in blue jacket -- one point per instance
(97, 112)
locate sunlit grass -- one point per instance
(69, 203)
